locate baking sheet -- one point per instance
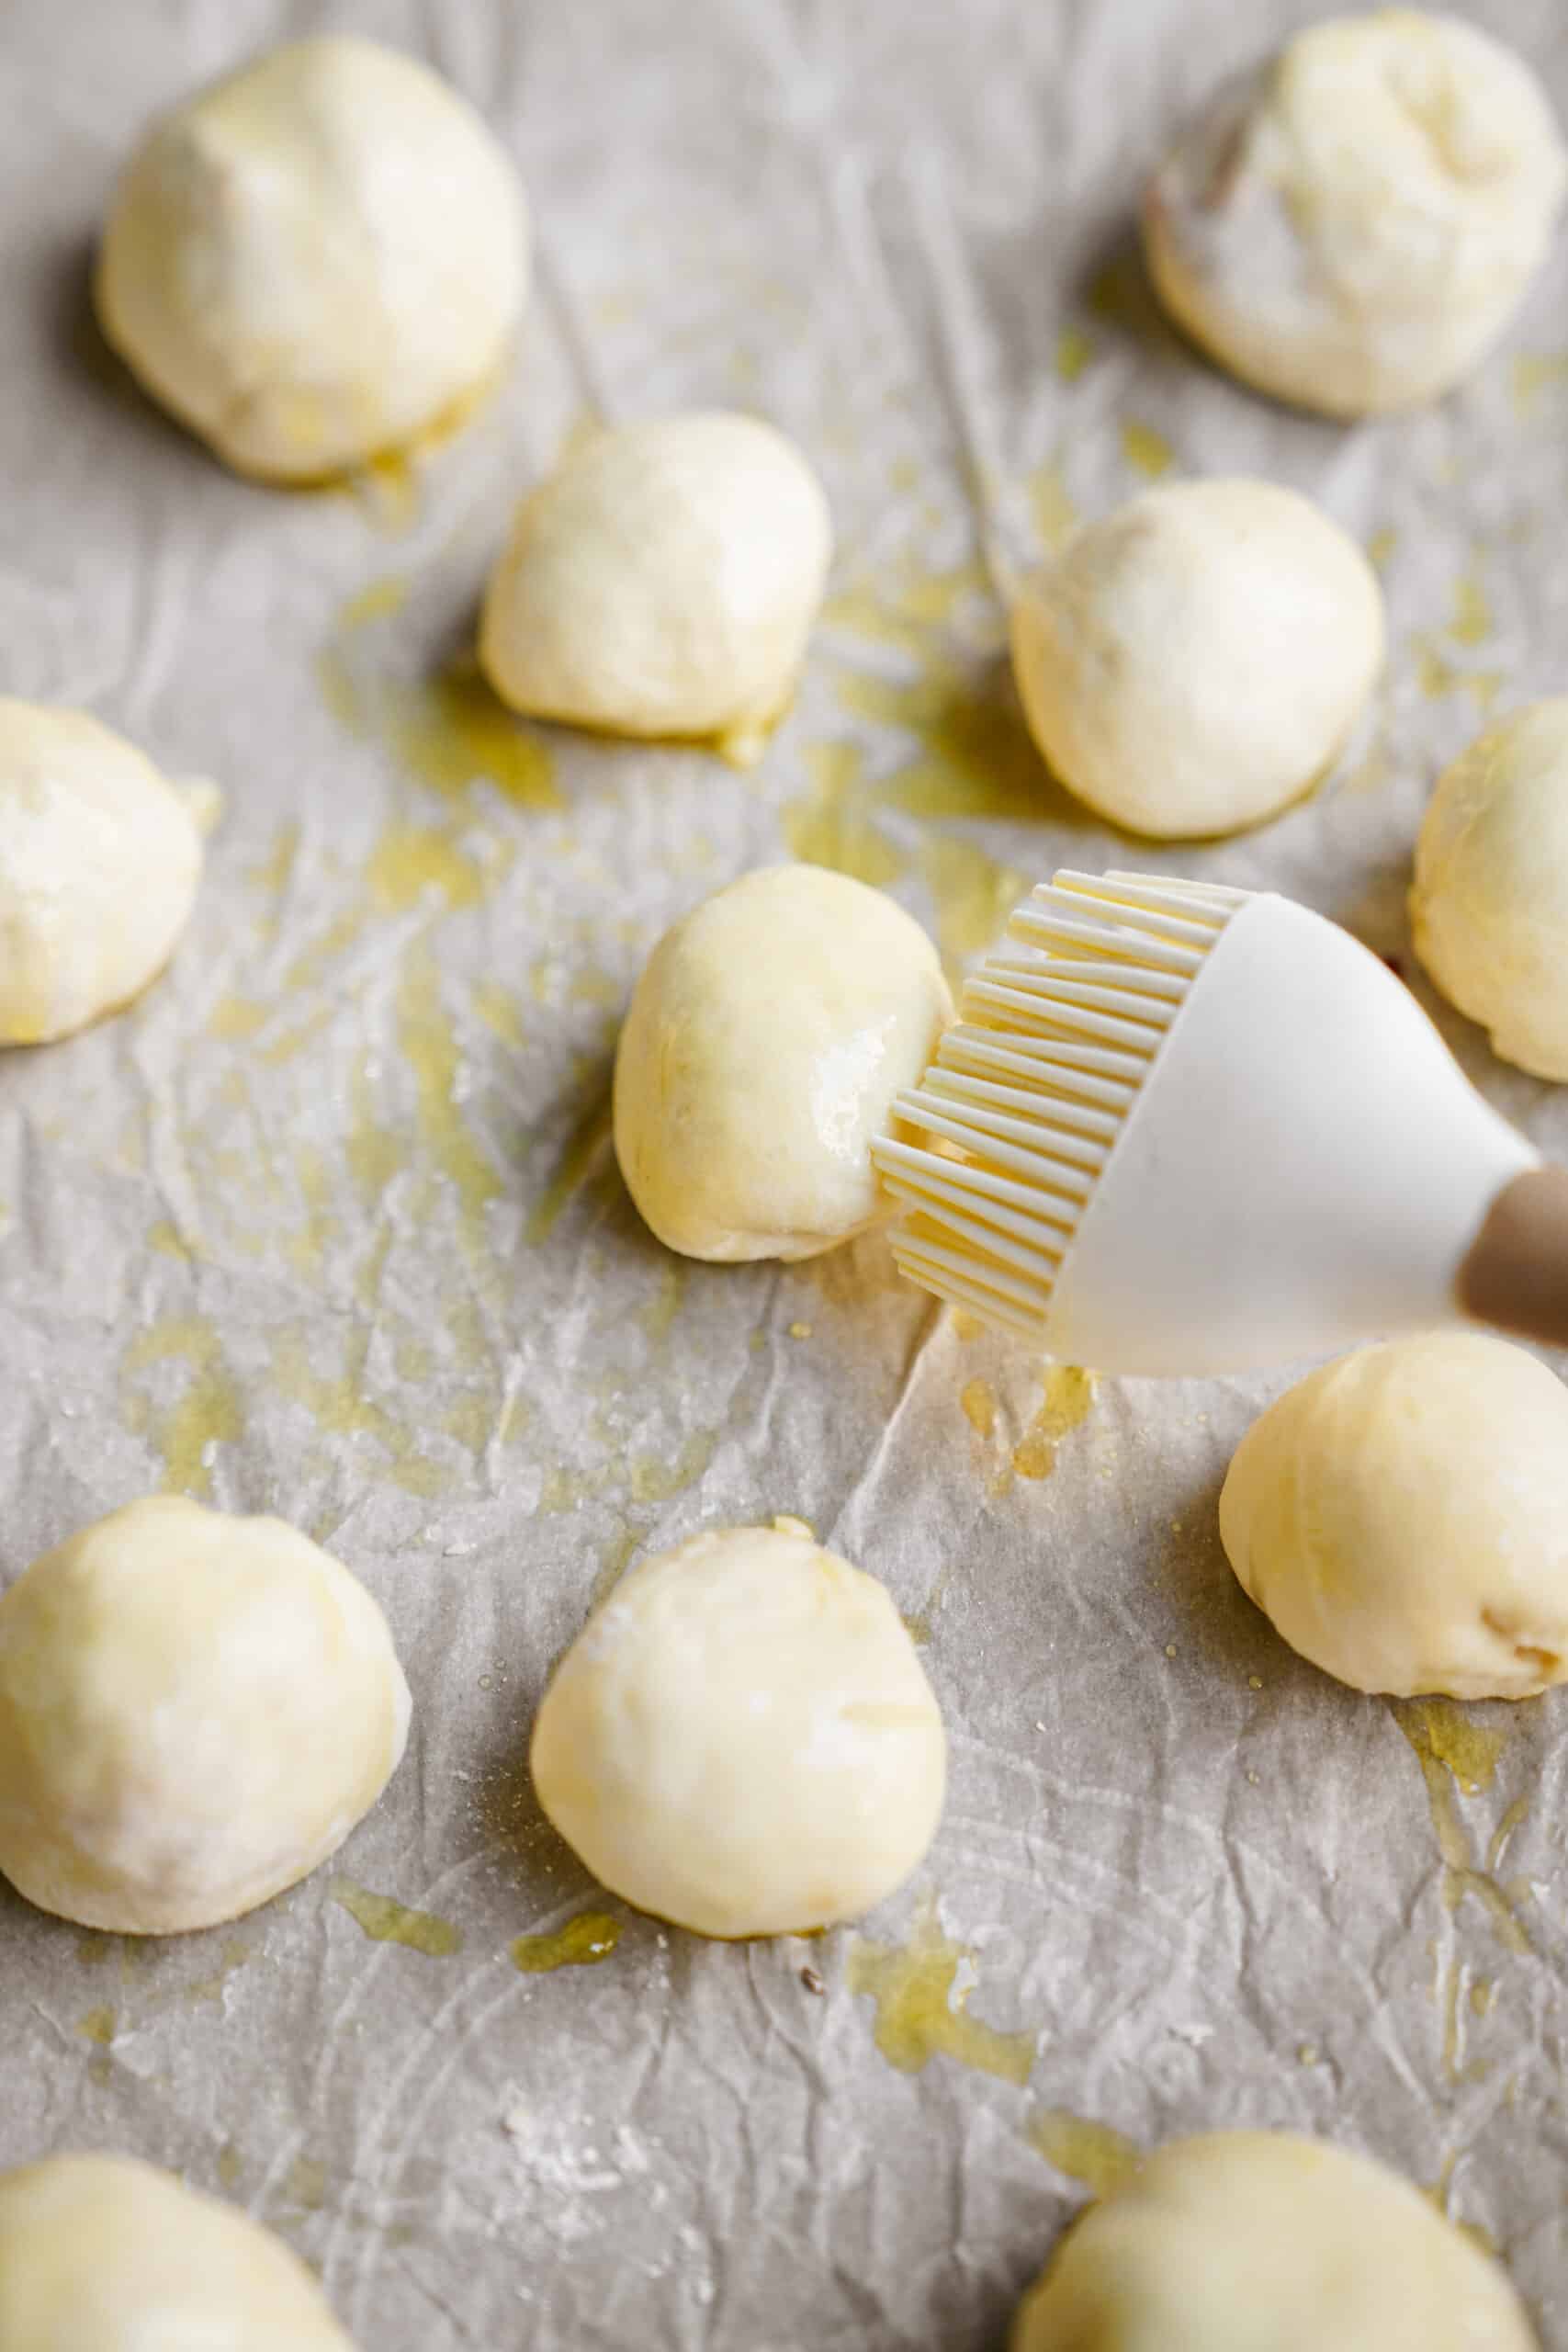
(328, 1224)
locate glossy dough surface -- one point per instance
(100, 861)
(195, 1711)
(1401, 1516)
(103, 2253)
(765, 1040)
(742, 1739)
(1353, 225)
(661, 581)
(1262, 2242)
(1489, 905)
(317, 258)
(1193, 662)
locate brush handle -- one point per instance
(1515, 1274)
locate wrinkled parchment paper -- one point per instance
(328, 1224)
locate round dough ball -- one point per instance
(662, 581)
(102, 2253)
(195, 1711)
(316, 259)
(1264, 2242)
(764, 1043)
(1196, 660)
(1401, 1516)
(1352, 225)
(99, 860)
(1489, 906)
(742, 1739)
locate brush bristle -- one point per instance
(1029, 1089)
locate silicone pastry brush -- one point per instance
(1184, 1128)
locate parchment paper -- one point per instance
(328, 1224)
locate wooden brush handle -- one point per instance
(1516, 1273)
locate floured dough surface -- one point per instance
(103, 2253)
(662, 581)
(316, 259)
(765, 1041)
(1264, 2242)
(1489, 905)
(195, 1711)
(1351, 226)
(1193, 662)
(100, 861)
(1401, 1516)
(742, 1738)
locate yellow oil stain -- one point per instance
(1380, 546)
(1055, 516)
(1371, 773)
(412, 862)
(966, 1327)
(1536, 372)
(208, 1414)
(1473, 623)
(659, 1314)
(389, 1922)
(1437, 2194)
(1117, 292)
(581, 1943)
(411, 1359)
(305, 2184)
(974, 893)
(652, 1478)
(318, 953)
(471, 1420)
(784, 1522)
(273, 874)
(613, 1564)
(373, 1152)
(1069, 1395)
(453, 731)
(591, 986)
(862, 611)
(904, 474)
(99, 2026)
(975, 758)
(340, 691)
(827, 826)
(575, 1166)
(922, 2006)
(1437, 677)
(1482, 1996)
(1147, 452)
(379, 600)
(1098, 2157)
(978, 1399)
(500, 1011)
(1462, 1879)
(235, 1018)
(295, 1042)
(230, 2168)
(169, 1241)
(800, 1331)
(210, 1988)
(340, 1408)
(1074, 349)
(1498, 1844)
(1469, 1750)
(430, 1048)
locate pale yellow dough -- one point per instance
(1264, 2242)
(316, 259)
(1401, 1516)
(100, 861)
(195, 1711)
(1489, 906)
(742, 1739)
(765, 1041)
(103, 2253)
(661, 582)
(1353, 225)
(1191, 662)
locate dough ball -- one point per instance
(1351, 226)
(1489, 907)
(101, 2253)
(1262, 2242)
(765, 1041)
(195, 1711)
(100, 861)
(742, 1739)
(1195, 660)
(1401, 1516)
(662, 581)
(316, 259)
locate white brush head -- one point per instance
(1184, 1128)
